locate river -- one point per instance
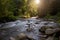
(12, 29)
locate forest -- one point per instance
(11, 10)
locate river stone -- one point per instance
(42, 29)
(50, 38)
(29, 37)
(12, 38)
(37, 23)
(57, 29)
(29, 29)
(49, 31)
(43, 36)
(21, 36)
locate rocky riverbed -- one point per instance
(30, 29)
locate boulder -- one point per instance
(50, 38)
(49, 31)
(29, 37)
(29, 29)
(23, 36)
(37, 23)
(43, 36)
(57, 29)
(12, 38)
(42, 29)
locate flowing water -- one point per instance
(11, 29)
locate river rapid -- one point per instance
(12, 29)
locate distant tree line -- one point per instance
(49, 7)
(11, 10)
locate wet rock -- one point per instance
(28, 24)
(29, 29)
(45, 23)
(49, 31)
(57, 29)
(43, 36)
(8, 25)
(12, 38)
(37, 23)
(50, 38)
(17, 21)
(23, 36)
(42, 29)
(57, 34)
(30, 37)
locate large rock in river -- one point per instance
(23, 36)
(50, 38)
(49, 31)
(43, 28)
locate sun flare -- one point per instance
(37, 1)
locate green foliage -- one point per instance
(56, 17)
(11, 9)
